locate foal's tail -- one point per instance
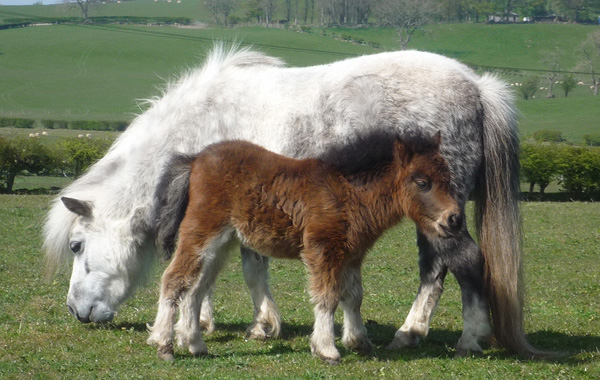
(170, 202)
(498, 218)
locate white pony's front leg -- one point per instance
(354, 336)
(416, 325)
(267, 321)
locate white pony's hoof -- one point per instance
(403, 339)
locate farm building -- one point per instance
(503, 17)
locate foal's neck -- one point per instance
(375, 204)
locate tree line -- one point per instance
(362, 12)
(576, 169)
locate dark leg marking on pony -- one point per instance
(432, 272)
(464, 259)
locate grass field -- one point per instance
(38, 339)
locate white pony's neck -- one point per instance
(121, 185)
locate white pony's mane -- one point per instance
(122, 183)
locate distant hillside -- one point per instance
(97, 72)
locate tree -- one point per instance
(552, 61)
(573, 9)
(528, 88)
(568, 83)
(589, 50)
(84, 6)
(406, 16)
(221, 9)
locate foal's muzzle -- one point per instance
(451, 224)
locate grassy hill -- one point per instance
(92, 72)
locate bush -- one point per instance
(23, 154)
(577, 169)
(540, 165)
(81, 153)
(592, 139)
(9, 122)
(580, 172)
(548, 136)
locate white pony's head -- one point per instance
(110, 256)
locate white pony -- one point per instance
(105, 220)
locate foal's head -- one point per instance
(424, 188)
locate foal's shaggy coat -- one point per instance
(326, 216)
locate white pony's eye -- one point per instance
(76, 246)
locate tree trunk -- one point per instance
(10, 181)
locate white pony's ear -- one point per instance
(83, 208)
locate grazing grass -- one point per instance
(38, 339)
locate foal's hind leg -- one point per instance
(354, 336)
(433, 273)
(214, 256)
(176, 280)
(267, 322)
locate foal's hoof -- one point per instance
(166, 354)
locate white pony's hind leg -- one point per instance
(354, 335)
(207, 321)
(476, 327)
(267, 321)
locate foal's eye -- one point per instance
(423, 184)
(75, 246)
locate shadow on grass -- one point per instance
(438, 344)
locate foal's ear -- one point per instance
(403, 153)
(83, 208)
(436, 139)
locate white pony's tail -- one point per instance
(170, 202)
(498, 218)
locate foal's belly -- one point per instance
(272, 246)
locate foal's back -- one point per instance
(268, 198)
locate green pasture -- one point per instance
(99, 72)
(39, 339)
